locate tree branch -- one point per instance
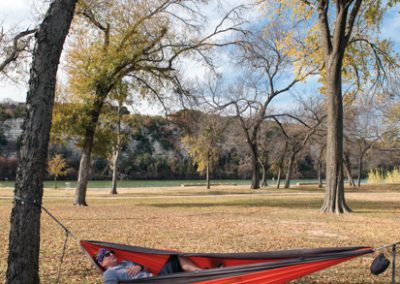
(16, 49)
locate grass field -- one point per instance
(225, 219)
(153, 183)
(131, 183)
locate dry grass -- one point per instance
(225, 219)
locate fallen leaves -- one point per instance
(192, 220)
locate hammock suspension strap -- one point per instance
(394, 263)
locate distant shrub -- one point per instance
(393, 176)
(381, 176)
(376, 176)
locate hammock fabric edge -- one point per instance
(250, 268)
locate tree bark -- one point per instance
(334, 47)
(255, 178)
(320, 185)
(360, 162)
(208, 177)
(84, 165)
(278, 182)
(264, 181)
(347, 167)
(334, 201)
(84, 170)
(116, 151)
(115, 171)
(289, 170)
(265, 167)
(24, 238)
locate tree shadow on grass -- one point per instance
(358, 206)
(315, 203)
(368, 206)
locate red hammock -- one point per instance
(249, 268)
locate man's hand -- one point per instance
(132, 271)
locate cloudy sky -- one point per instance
(23, 13)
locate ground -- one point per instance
(225, 219)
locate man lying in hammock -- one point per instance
(126, 270)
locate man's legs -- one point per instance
(177, 264)
(188, 265)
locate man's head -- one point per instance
(105, 258)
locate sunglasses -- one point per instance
(107, 254)
(102, 256)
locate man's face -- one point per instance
(109, 260)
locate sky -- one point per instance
(15, 13)
(23, 13)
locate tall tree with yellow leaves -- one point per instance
(344, 32)
(139, 41)
(57, 167)
(204, 147)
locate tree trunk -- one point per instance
(278, 182)
(348, 173)
(265, 167)
(208, 177)
(320, 185)
(347, 167)
(334, 201)
(263, 177)
(255, 178)
(116, 151)
(83, 174)
(55, 182)
(289, 170)
(360, 162)
(84, 165)
(24, 238)
(115, 171)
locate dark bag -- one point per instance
(380, 264)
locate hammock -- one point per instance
(249, 268)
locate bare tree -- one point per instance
(24, 241)
(143, 46)
(364, 128)
(13, 46)
(273, 147)
(266, 57)
(299, 129)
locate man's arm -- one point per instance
(133, 270)
(110, 277)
